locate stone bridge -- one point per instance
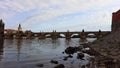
(69, 35)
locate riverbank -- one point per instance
(34, 53)
(39, 53)
(109, 50)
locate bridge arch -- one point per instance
(61, 35)
(91, 35)
(48, 35)
(75, 35)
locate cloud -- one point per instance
(53, 6)
(98, 11)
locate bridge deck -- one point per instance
(73, 32)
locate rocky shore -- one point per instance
(108, 48)
(105, 51)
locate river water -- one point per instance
(27, 53)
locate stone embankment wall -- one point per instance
(1, 29)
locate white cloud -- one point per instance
(5, 15)
(64, 6)
(48, 9)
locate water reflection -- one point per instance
(1, 47)
(19, 43)
(74, 42)
(55, 44)
(35, 49)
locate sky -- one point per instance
(59, 15)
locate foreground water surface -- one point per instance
(27, 53)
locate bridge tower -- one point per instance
(115, 21)
(19, 28)
(19, 33)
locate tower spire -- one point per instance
(19, 27)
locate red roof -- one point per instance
(9, 30)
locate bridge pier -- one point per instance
(83, 35)
(54, 35)
(41, 36)
(68, 35)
